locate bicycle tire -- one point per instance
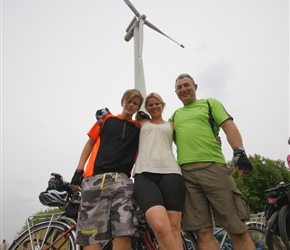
(41, 235)
(272, 234)
(258, 236)
(284, 225)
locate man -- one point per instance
(106, 208)
(210, 187)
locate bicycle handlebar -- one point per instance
(280, 187)
(63, 184)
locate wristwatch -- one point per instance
(239, 148)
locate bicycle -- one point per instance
(58, 231)
(52, 231)
(278, 217)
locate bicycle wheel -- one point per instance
(43, 236)
(259, 237)
(272, 234)
(284, 225)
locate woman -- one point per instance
(159, 187)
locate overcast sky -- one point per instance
(61, 60)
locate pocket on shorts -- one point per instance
(243, 208)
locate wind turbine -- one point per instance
(135, 29)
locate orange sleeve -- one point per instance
(94, 131)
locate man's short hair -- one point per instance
(184, 75)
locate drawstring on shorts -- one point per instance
(116, 177)
(103, 181)
(104, 177)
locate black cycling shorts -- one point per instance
(152, 189)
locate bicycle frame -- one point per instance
(146, 240)
(222, 240)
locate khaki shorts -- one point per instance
(211, 190)
(106, 209)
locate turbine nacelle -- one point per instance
(134, 23)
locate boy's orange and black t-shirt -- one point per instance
(115, 148)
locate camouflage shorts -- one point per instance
(106, 209)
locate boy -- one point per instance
(106, 208)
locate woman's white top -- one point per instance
(155, 150)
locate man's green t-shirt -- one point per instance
(195, 140)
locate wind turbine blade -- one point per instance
(158, 30)
(141, 26)
(131, 24)
(131, 6)
(130, 29)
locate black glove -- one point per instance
(143, 115)
(241, 160)
(77, 178)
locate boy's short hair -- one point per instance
(132, 93)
